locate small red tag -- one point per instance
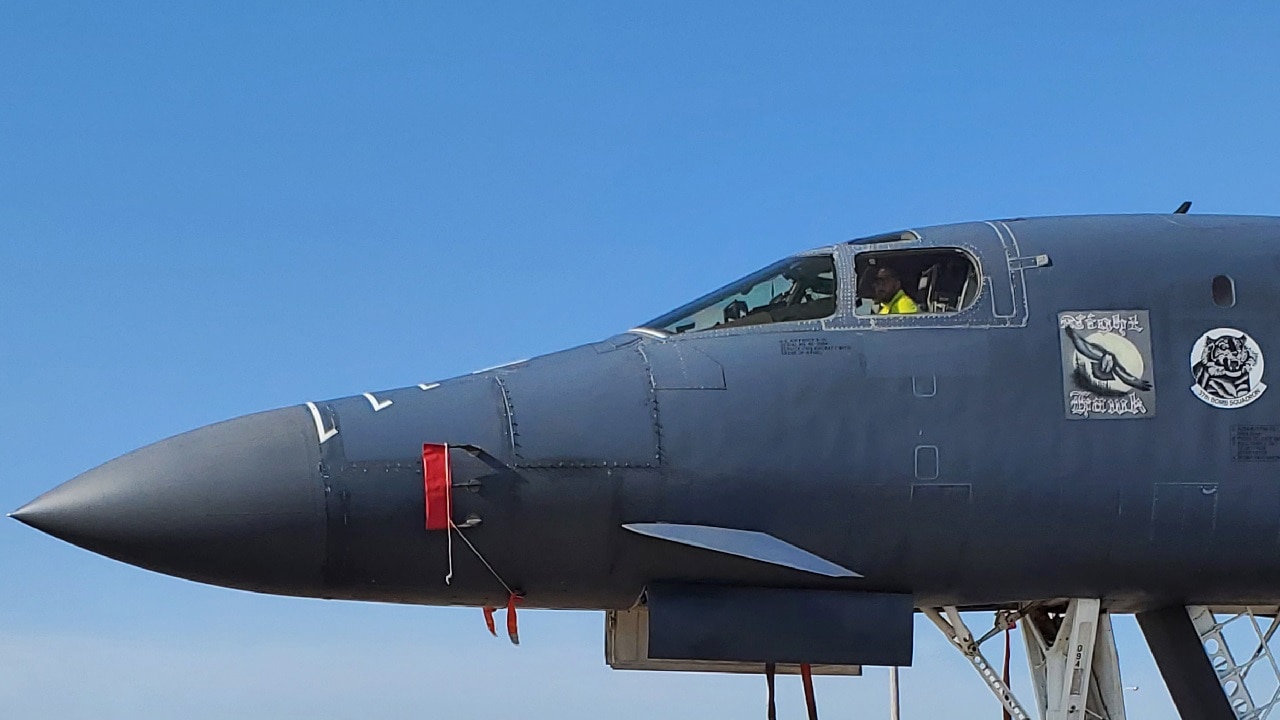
(436, 482)
(513, 627)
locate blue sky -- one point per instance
(208, 209)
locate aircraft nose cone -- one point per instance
(239, 503)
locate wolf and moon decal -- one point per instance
(1227, 367)
(1106, 364)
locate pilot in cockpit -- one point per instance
(887, 292)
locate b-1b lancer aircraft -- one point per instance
(1057, 419)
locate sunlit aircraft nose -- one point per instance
(239, 503)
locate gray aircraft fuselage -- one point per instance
(936, 454)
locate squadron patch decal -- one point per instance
(1106, 364)
(1227, 366)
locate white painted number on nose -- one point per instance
(375, 403)
(321, 431)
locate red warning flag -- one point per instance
(513, 627)
(436, 485)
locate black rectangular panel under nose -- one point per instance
(749, 624)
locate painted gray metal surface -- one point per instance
(742, 543)
(931, 454)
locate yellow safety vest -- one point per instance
(901, 304)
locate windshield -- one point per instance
(798, 288)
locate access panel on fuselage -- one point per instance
(582, 408)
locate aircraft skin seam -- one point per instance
(512, 425)
(579, 465)
(653, 398)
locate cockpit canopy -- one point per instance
(798, 288)
(929, 282)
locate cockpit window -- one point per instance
(935, 281)
(798, 288)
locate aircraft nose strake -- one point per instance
(238, 503)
